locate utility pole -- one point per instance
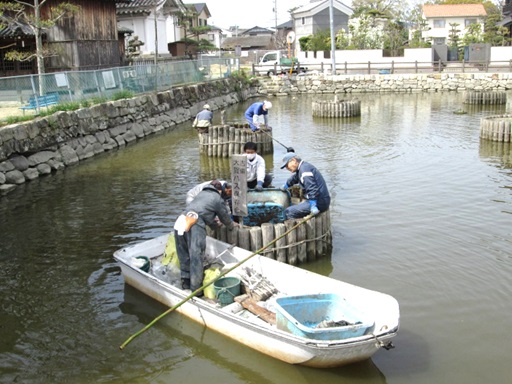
(333, 44)
(275, 14)
(155, 4)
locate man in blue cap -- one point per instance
(311, 181)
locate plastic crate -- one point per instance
(303, 315)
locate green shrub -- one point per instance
(122, 95)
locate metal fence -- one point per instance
(391, 67)
(77, 86)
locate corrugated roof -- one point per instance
(453, 10)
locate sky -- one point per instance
(249, 13)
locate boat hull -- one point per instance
(255, 334)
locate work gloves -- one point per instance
(313, 208)
(259, 187)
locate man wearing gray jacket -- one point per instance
(190, 233)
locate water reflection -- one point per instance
(227, 356)
(496, 152)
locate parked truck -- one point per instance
(276, 62)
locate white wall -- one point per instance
(411, 55)
(144, 27)
(445, 32)
(149, 28)
(501, 53)
(373, 55)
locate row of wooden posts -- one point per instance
(229, 139)
(306, 243)
(496, 128)
(342, 108)
(485, 98)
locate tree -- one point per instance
(319, 41)
(417, 40)
(473, 35)
(133, 49)
(393, 9)
(30, 14)
(186, 21)
(395, 37)
(453, 35)
(365, 33)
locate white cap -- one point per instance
(206, 106)
(267, 104)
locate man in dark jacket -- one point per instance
(191, 237)
(311, 180)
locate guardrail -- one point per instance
(395, 67)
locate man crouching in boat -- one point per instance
(311, 180)
(190, 233)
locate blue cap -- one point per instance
(287, 158)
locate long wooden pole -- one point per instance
(156, 319)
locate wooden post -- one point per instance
(244, 239)
(311, 244)
(231, 147)
(236, 145)
(267, 236)
(233, 236)
(281, 252)
(239, 184)
(301, 248)
(255, 236)
(291, 239)
(319, 233)
(210, 142)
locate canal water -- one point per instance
(421, 210)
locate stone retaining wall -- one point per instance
(432, 82)
(44, 145)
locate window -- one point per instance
(468, 22)
(303, 20)
(439, 23)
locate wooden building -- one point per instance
(87, 40)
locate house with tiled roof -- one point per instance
(315, 17)
(199, 15)
(145, 17)
(254, 38)
(441, 17)
(88, 39)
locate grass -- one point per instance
(68, 106)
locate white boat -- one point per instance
(373, 316)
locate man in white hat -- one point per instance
(256, 113)
(203, 119)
